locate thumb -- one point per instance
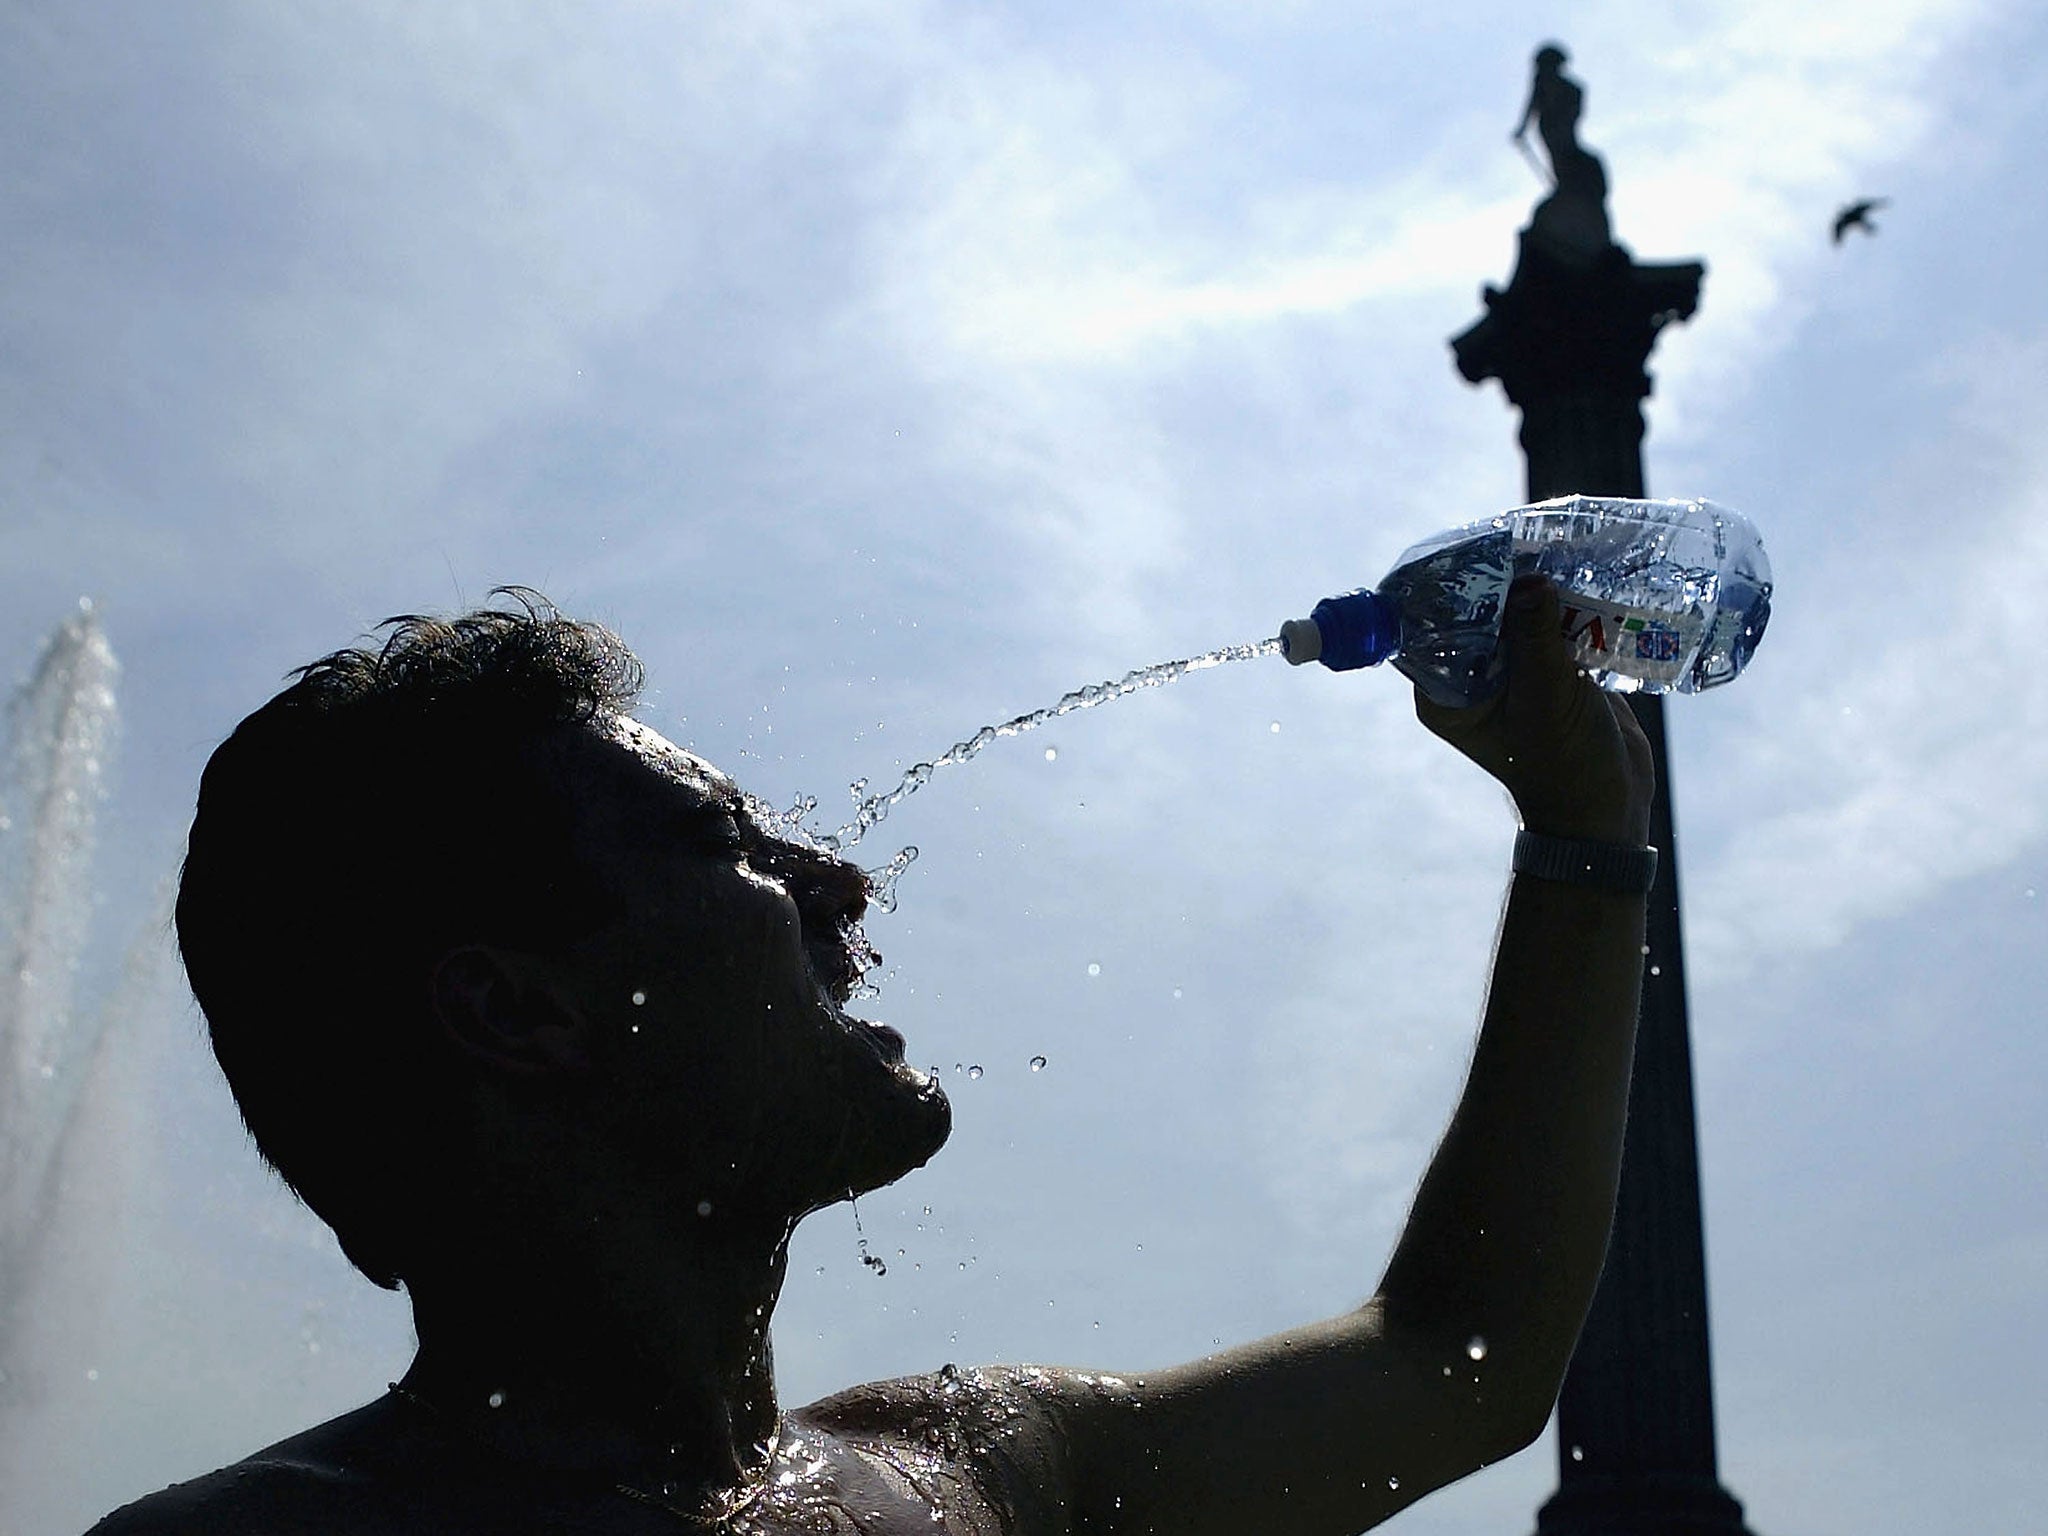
(1541, 673)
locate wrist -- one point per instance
(1620, 831)
(1626, 825)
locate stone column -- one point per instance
(1570, 340)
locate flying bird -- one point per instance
(1857, 216)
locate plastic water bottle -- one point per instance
(1658, 595)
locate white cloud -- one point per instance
(1766, 122)
(1910, 749)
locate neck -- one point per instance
(638, 1351)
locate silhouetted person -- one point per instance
(528, 1005)
(1857, 216)
(1574, 216)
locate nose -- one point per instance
(836, 891)
(830, 894)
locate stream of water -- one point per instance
(871, 810)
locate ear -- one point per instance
(502, 1008)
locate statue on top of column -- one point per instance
(1573, 219)
(1570, 336)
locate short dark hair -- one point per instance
(391, 804)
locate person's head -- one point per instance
(1550, 58)
(452, 866)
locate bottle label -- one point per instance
(1609, 637)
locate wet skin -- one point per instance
(593, 1318)
(737, 1064)
(687, 1081)
(958, 1452)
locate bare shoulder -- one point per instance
(250, 1498)
(992, 1437)
(335, 1477)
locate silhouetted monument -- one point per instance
(1569, 339)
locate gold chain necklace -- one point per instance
(696, 1519)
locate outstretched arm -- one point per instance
(1457, 1359)
(1528, 114)
(1509, 1228)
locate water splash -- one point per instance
(60, 728)
(872, 810)
(882, 881)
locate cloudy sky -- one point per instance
(884, 368)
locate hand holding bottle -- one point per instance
(1571, 754)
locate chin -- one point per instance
(885, 1140)
(905, 1135)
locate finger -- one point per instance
(1441, 718)
(1542, 677)
(1455, 722)
(1633, 738)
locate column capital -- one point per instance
(1571, 323)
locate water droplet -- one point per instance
(703, 1207)
(1578, 1453)
(974, 1072)
(1094, 968)
(636, 1029)
(1393, 1482)
(639, 999)
(496, 1399)
(1052, 754)
(1176, 992)
(1656, 970)
(1274, 728)
(1477, 1348)
(92, 1375)
(1038, 1063)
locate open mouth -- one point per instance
(834, 968)
(837, 964)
